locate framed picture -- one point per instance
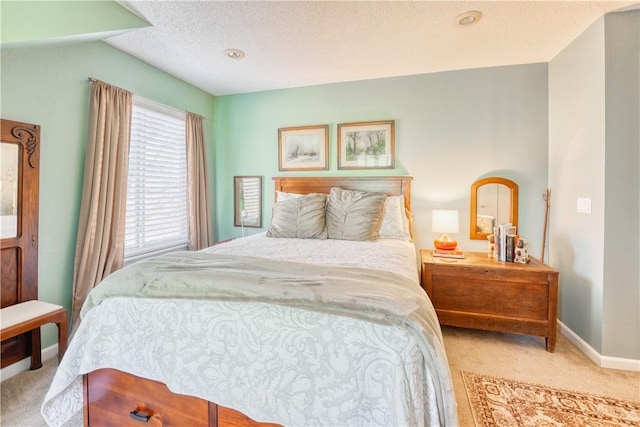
(366, 145)
(247, 201)
(303, 148)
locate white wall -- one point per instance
(576, 169)
(621, 299)
(593, 153)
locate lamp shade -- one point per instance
(444, 221)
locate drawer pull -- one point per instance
(143, 417)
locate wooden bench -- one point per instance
(28, 316)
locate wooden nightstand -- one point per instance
(479, 292)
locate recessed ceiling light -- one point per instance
(234, 53)
(468, 18)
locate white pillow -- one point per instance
(281, 196)
(395, 224)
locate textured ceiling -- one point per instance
(303, 43)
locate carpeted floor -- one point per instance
(22, 397)
(499, 402)
(516, 357)
(524, 358)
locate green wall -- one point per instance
(452, 128)
(49, 86)
(534, 124)
(27, 23)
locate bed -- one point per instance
(296, 331)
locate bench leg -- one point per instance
(36, 352)
(62, 337)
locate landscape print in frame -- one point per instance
(303, 148)
(366, 145)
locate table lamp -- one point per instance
(444, 221)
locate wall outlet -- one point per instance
(584, 205)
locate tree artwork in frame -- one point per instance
(366, 145)
(303, 148)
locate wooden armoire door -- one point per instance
(19, 190)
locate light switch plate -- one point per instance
(584, 205)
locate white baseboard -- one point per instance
(597, 358)
(24, 365)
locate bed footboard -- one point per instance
(115, 398)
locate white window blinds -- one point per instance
(156, 212)
(251, 200)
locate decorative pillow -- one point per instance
(395, 224)
(409, 216)
(281, 196)
(299, 217)
(354, 215)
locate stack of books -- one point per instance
(506, 240)
(448, 253)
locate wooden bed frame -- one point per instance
(390, 185)
(115, 398)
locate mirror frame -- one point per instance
(237, 209)
(513, 217)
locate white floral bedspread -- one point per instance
(272, 362)
(396, 256)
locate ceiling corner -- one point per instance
(45, 22)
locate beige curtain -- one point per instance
(198, 193)
(100, 241)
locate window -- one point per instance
(156, 212)
(247, 196)
(251, 197)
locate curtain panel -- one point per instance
(100, 240)
(197, 184)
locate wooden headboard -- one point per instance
(390, 185)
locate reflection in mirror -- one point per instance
(494, 201)
(247, 201)
(9, 161)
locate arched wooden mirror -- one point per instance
(494, 201)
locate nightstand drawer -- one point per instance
(492, 297)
